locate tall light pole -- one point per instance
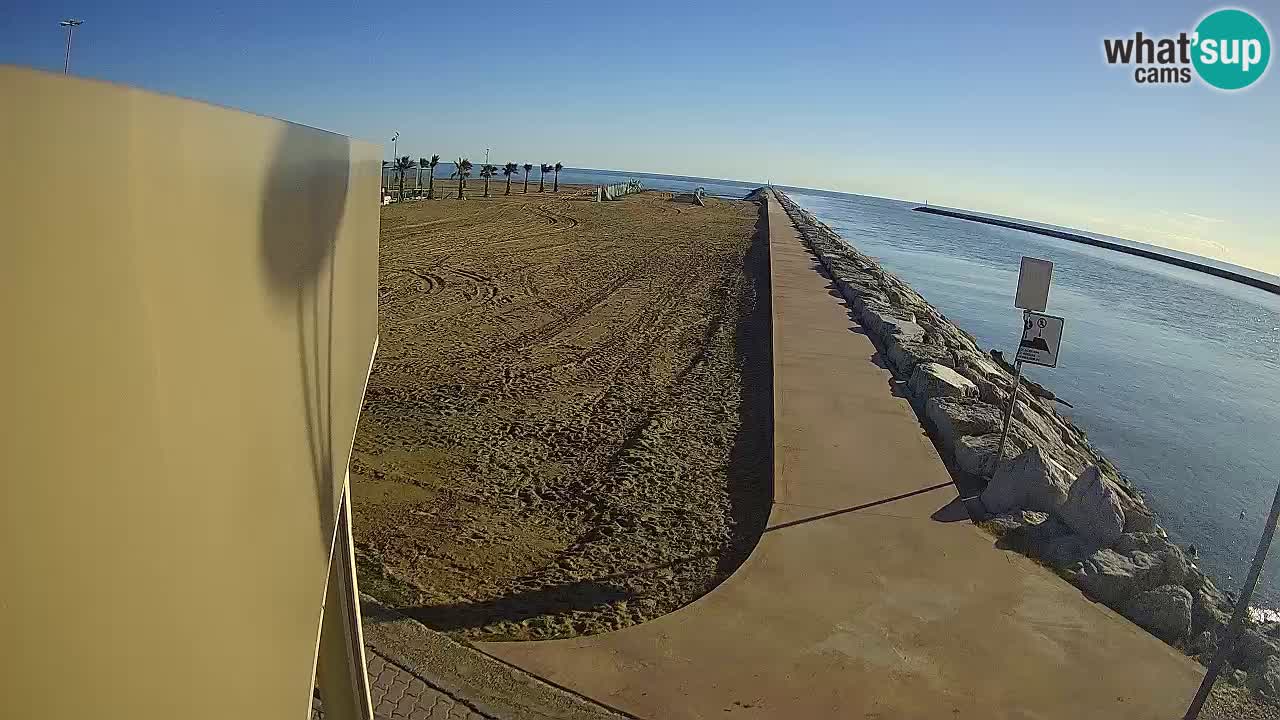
(70, 24)
(395, 150)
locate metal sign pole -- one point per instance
(1008, 415)
(1227, 644)
(1013, 398)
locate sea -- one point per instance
(1173, 373)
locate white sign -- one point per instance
(1041, 335)
(1033, 284)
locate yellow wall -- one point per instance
(187, 332)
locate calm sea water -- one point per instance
(1174, 374)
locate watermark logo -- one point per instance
(1229, 49)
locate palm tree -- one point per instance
(422, 165)
(542, 173)
(487, 171)
(462, 168)
(431, 181)
(403, 165)
(527, 168)
(558, 168)
(510, 169)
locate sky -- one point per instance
(1006, 108)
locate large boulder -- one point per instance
(898, 330)
(991, 389)
(1265, 679)
(1050, 540)
(953, 418)
(931, 380)
(1147, 542)
(1093, 510)
(974, 453)
(904, 356)
(1205, 644)
(1177, 571)
(1210, 610)
(1106, 575)
(1031, 481)
(1253, 648)
(882, 321)
(1138, 519)
(1008, 522)
(1165, 612)
(1114, 578)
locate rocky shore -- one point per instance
(1051, 495)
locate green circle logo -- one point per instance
(1232, 49)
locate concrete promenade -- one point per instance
(870, 595)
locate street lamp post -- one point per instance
(70, 24)
(395, 149)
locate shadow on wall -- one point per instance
(303, 203)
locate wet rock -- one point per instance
(931, 380)
(1030, 481)
(1165, 612)
(953, 418)
(1093, 510)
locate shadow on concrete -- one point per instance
(856, 508)
(303, 203)
(953, 511)
(519, 606)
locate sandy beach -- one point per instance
(567, 425)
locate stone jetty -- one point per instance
(1052, 495)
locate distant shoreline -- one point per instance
(1257, 282)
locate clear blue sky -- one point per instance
(1003, 107)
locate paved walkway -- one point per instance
(858, 603)
(400, 695)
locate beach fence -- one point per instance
(188, 360)
(617, 191)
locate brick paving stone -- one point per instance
(397, 694)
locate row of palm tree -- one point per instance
(462, 170)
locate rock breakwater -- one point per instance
(1051, 495)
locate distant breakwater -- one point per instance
(1052, 495)
(1098, 242)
